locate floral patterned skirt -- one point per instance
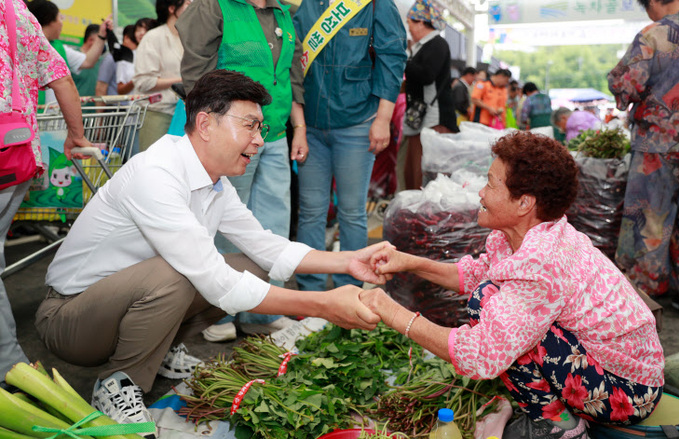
(558, 374)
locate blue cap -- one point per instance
(446, 415)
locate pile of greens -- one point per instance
(601, 144)
(341, 378)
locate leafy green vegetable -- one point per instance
(338, 374)
(601, 144)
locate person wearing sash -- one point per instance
(38, 66)
(256, 38)
(50, 19)
(349, 99)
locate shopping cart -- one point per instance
(56, 198)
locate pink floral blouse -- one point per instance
(555, 276)
(38, 65)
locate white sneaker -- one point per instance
(220, 332)
(266, 328)
(121, 400)
(178, 364)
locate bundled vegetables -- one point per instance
(51, 405)
(339, 378)
(601, 144)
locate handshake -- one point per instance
(350, 306)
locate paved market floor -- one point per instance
(26, 289)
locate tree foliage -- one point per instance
(569, 66)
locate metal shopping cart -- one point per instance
(56, 198)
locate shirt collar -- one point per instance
(197, 175)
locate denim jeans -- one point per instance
(10, 351)
(265, 189)
(341, 153)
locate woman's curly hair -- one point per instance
(541, 167)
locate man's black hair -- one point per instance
(44, 11)
(504, 72)
(529, 87)
(468, 71)
(89, 30)
(215, 90)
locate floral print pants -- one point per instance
(648, 245)
(559, 373)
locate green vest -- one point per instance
(244, 49)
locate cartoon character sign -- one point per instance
(61, 173)
(60, 186)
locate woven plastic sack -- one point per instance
(597, 211)
(437, 222)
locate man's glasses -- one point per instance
(254, 126)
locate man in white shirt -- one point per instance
(140, 261)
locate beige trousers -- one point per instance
(130, 319)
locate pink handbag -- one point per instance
(17, 162)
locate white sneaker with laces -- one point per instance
(121, 400)
(178, 364)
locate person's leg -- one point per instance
(127, 320)
(413, 163)
(315, 175)
(155, 126)
(270, 194)
(649, 217)
(10, 351)
(352, 165)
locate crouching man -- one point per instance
(139, 263)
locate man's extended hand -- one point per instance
(360, 264)
(345, 309)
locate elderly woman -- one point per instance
(549, 313)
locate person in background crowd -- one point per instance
(462, 91)
(549, 314)
(213, 32)
(49, 17)
(427, 80)
(39, 65)
(647, 77)
(107, 81)
(157, 67)
(571, 123)
(86, 79)
(489, 99)
(481, 75)
(537, 110)
(139, 269)
(125, 66)
(349, 101)
(513, 99)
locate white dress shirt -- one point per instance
(162, 202)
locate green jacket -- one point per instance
(245, 49)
